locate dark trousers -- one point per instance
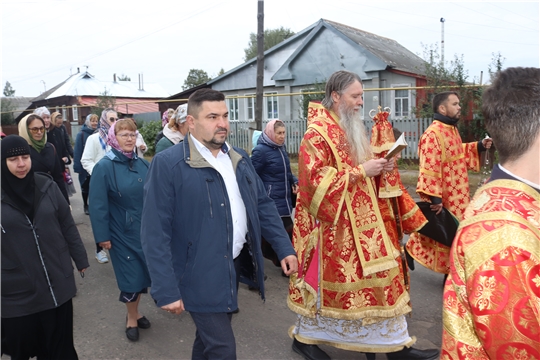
(214, 339)
(47, 334)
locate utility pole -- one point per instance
(442, 41)
(260, 65)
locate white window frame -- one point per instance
(275, 112)
(250, 113)
(64, 113)
(75, 111)
(232, 105)
(394, 98)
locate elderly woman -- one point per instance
(39, 241)
(89, 127)
(95, 148)
(175, 131)
(166, 116)
(271, 162)
(43, 153)
(116, 200)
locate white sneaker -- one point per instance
(101, 257)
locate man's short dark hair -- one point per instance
(338, 82)
(441, 98)
(511, 108)
(198, 97)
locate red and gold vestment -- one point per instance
(399, 211)
(337, 218)
(491, 302)
(444, 161)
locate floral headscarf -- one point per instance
(113, 142)
(104, 127)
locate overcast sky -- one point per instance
(44, 41)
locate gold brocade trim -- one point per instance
(318, 197)
(373, 314)
(430, 173)
(514, 185)
(300, 309)
(410, 214)
(389, 194)
(495, 241)
(380, 149)
(454, 158)
(350, 346)
(362, 283)
(461, 329)
(372, 266)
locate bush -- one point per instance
(149, 131)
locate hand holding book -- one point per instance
(398, 147)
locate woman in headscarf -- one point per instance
(175, 131)
(116, 201)
(271, 162)
(39, 241)
(94, 150)
(166, 116)
(89, 127)
(43, 153)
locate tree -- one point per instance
(314, 93)
(195, 77)
(105, 100)
(124, 78)
(7, 106)
(8, 90)
(221, 72)
(272, 37)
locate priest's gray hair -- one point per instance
(338, 82)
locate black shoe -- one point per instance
(86, 210)
(132, 333)
(235, 311)
(414, 354)
(309, 352)
(143, 323)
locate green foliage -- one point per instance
(149, 131)
(7, 106)
(314, 93)
(272, 37)
(104, 101)
(221, 72)
(8, 90)
(195, 77)
(124, 78)
(7, 112)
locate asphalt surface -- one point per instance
(260, 327)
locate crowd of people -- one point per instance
(336, 231)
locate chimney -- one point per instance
(114, 77)
(78, 70)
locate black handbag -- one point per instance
(442, 227)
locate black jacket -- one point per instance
(60, 139)
(47, 162)
(37, 273)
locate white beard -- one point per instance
(354, 129)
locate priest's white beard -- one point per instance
(354, 129)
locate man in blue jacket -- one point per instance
(205, 209)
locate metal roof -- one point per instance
(84, 84)
(390, 51)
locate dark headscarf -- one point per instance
(20, 191)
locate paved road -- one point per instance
(260, 328)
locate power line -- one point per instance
(493, 17)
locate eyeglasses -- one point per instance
(36, 130)
(113, 119)
(125, 136)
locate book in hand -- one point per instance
(398, 147)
